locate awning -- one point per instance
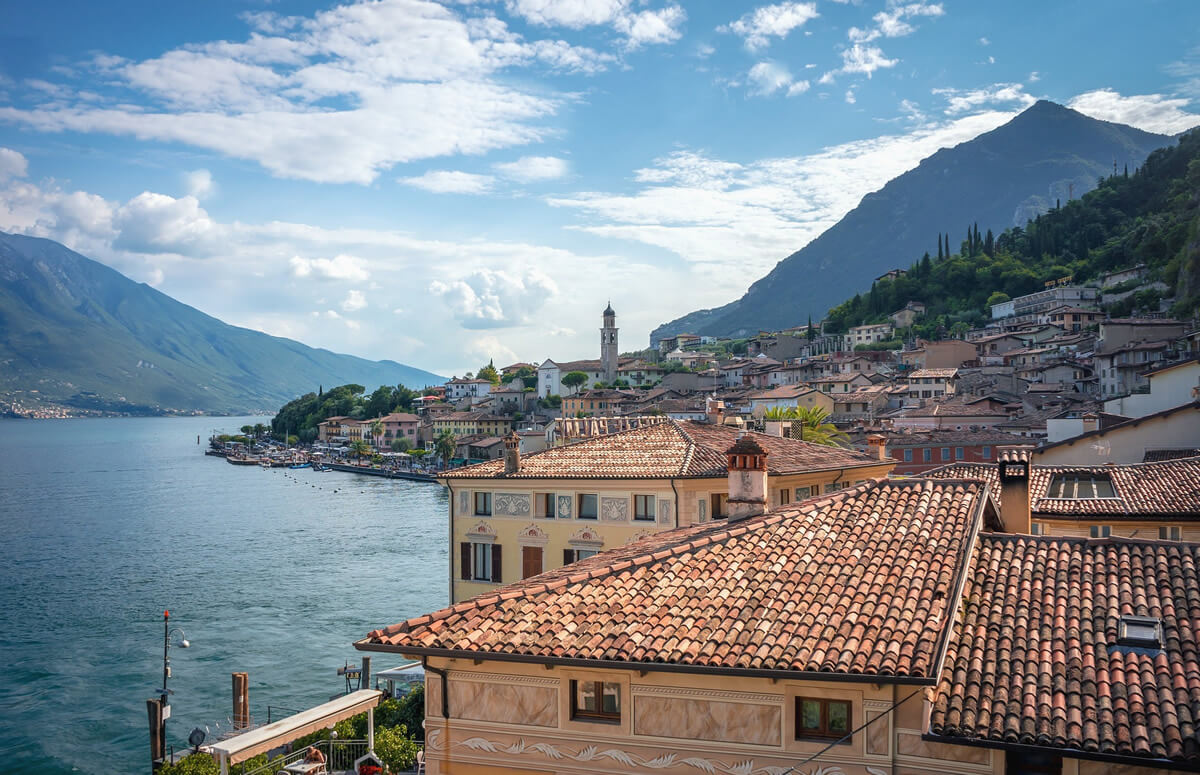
(256, 741)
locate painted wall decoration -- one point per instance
(464, 501)
(609, 756)
(664, 512)
(564, 506)
(510, 505)
(482, 529)
(614, 509)
(586, 537)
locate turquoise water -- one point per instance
(106, 523)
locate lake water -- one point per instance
(106, 523)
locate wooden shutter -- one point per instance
(531, 561)
(465, 555)
(568, 556)
(497, 575)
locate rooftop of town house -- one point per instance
(1151, 491)
(1107, 425)
(668, 449)
(953, 408)
(921, 438)
(781, 392)
(1037, 656)
(863, 582)
(398, 417)
(933, 373)
(472, 417)
(1160, 455)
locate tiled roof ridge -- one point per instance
(1087, 540)
(691, 447)
(724, 531)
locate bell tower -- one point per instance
(608, 344)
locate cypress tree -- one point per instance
(940, 256)
(989, 244)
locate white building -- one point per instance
(459, 388)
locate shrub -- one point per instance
(395, 749)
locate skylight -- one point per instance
(1140, 631)
(1081, 486)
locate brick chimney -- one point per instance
(715, 410)
(747, 465)
(512, 453)
(1014, 490)
(878, 445)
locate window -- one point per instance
(986, 453)
(483, 504)
(588, 506)
(480, 561)
(531, 561)
(1140, 631)
(543, 505)
(945, 454)
(720, 508)
(575, 555)
(643, 507)
(596, 701)
(908, 456)
(1100, 531)
(1087, 485)
(1037, 529)
(927, 454)
(818, 719)
(804, 492)
(785, 497)
(1170, 533)
(958, 453)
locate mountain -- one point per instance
(1000, 179)
(83, 335)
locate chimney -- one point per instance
(512, 454)
(878, 445)
(1014, 490)
(747, 465)
(715, 409)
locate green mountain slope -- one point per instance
(999, 179)
(84, 335)
(1149, 217)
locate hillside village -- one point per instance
(1049, 367)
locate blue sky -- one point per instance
(440, 183)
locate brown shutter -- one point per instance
(531, 561)
(568, 556)
(497, 575)
(465, 555)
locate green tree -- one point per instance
(444, 445)
(395, 749)
(360, 449)
(489, 373)
(999, 297)
(573, 379)
(400, 445)
(376, 431)
(812, 424)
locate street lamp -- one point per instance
(165, 692)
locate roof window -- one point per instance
(1140, 631)
(1081, 486)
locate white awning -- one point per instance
(256, 741)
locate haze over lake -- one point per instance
(274, 572)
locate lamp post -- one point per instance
(165, 692)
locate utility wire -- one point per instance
(850, 734)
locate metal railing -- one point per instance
(340, 756)
(276, 712)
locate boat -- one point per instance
(295, 466)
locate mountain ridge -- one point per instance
(83, 335)
(993, 180)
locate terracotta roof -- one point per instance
(1159, 455)
(1035, 661)
(1143, 490)
(399, 417)
(934, 373)
(860, 582)
(953, 408)
(674, 448)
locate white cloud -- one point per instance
(984, 41)
(495, 298)
(12, 164)
(1152, 112)
(157, 223)
(705, 210)
(490, 347)
(864, 59)
(1034, 77)
(371, 85)
(199, 183)
(529, 169)
(860, 59)
(341, 267)
(639, 27)
(451, 182)
(850, 98)
(1008, 95)
(354, 301)
(767, 78)
(765, 22)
